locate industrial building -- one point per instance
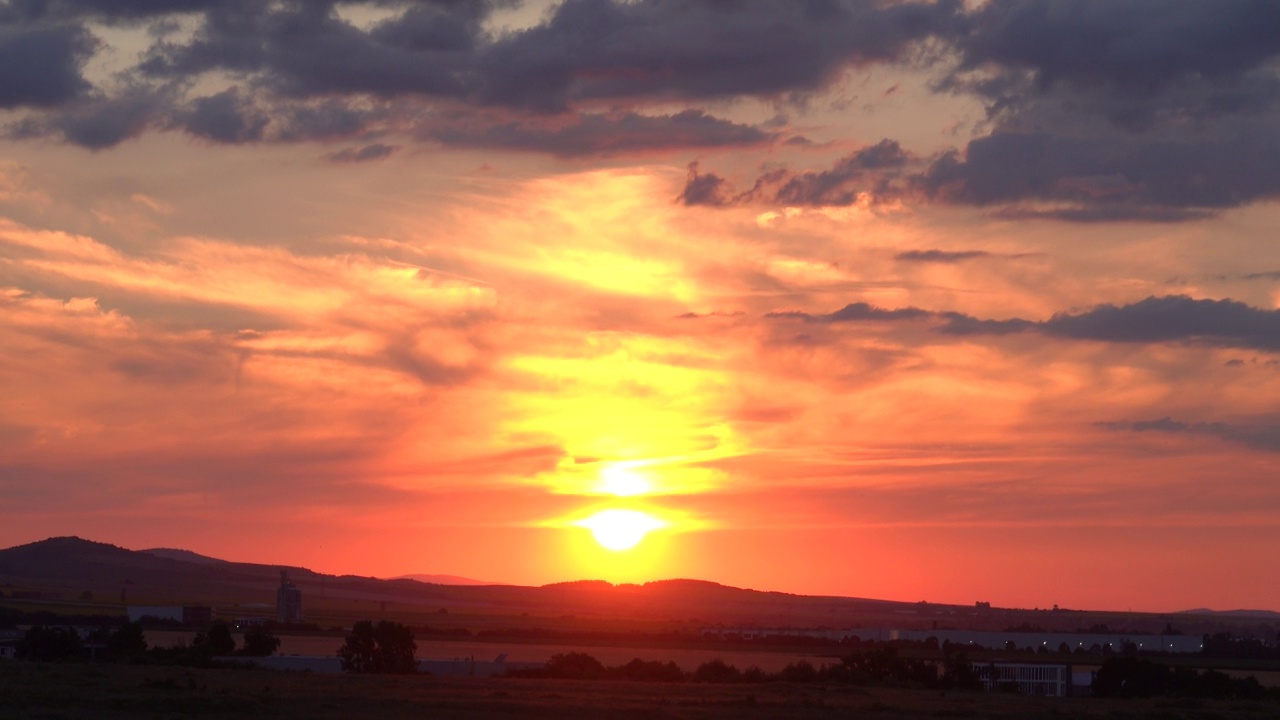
(288, 601)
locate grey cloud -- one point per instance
(939, 256)
(1174, 318)
(592, 134)
(1124, 46)
(376, 151)
(876, 169)
(870, 169)
(227, 117)
(859, 312)
(40, 66)
(1108, 176)
(602, 49)
(1170, 319)
(1263, 433)
(104, 122)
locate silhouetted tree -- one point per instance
(218, 641)
(127, 642)
(387, 647)
(716, 671)
(647, 671)
(575, 666)
(259, 642)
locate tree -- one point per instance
(575, 666)
(128, 641)
(219, 641)
(387, 647)
(259, 642)
(47, 644)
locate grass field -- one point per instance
(53, 692)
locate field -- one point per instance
(51, 692)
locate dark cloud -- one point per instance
(1174, 318)
(698, 49)
(41, 66)
(227, 117)
(1263, 434)
(1122, 46)
(592, 134)
(1109, 176)
(104, 122)
(306, 50)
(859, 312)
(873, 172)
(376, 151)
(1170, 319)
(1271, 275)
(939, 256)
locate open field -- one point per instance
(48, 692)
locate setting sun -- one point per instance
(620, 530)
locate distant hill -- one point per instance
(1259, 614)
(444, 579)
(184, 556)
(83, 575)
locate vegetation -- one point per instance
(259, 642)
(387, 647)
(1132, 677)
(878, 667)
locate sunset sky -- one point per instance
(945, 301)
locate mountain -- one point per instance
(443, 579)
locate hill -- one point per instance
(80, 575)
(444, 579)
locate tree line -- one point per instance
(127, 643)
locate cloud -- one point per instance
(859, 312)
(870, 173)
(376, 151)
(1176, 318)
(605, 50)
(226, 117)
(593, 134)
(1263, 434)
(1121, 47)
(939, 256)
(40, 66)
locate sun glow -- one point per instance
(620, 530)
(623, 481)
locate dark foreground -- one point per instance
(51, 692)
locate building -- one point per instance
(288, 601)
(1026, 678)
(185, 614)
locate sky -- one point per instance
(946, 301)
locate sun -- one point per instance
(619, 530)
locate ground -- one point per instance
(51, 692)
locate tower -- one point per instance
(288, 601)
